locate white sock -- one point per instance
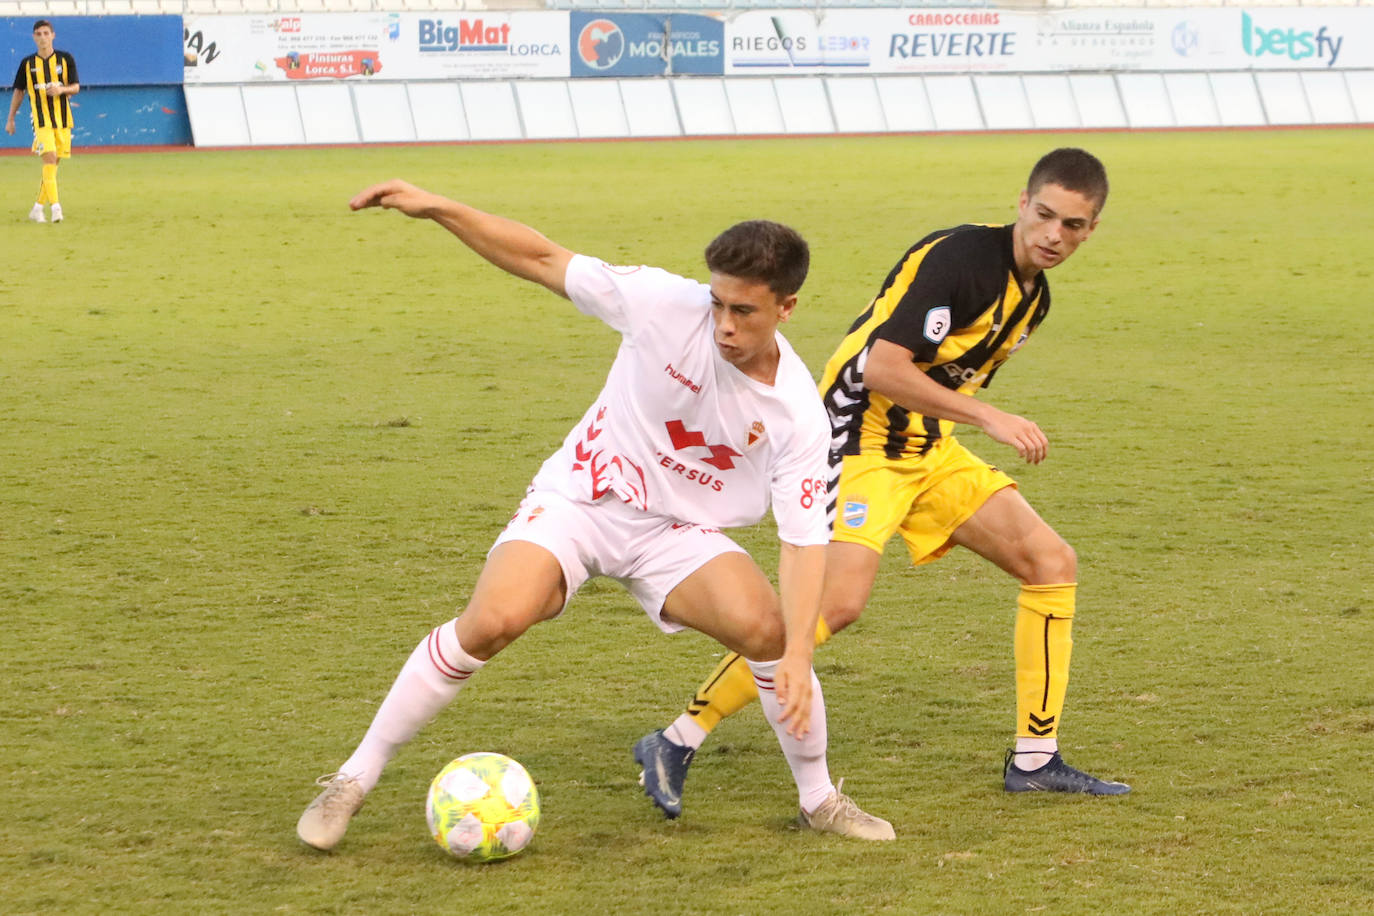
(429, 680)
(685, 732)
(1033, 753)
(806, 756)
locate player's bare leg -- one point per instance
(1007, 531)
(849, 573)
(520, 585)
(730, 600)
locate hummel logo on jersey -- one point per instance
(683, 437)
(687, 383)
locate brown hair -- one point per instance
(1072, 169)
(43, 22)
(763, 251)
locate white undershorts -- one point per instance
(649, 554)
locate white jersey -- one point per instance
(679, 432)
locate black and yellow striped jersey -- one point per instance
(35, 75)
(956, 302)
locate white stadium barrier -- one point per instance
(344, 112)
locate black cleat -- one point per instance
(665, 770)
(1056, 776)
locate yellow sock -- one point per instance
(822, 631)
(1043, 643)
(730, 687)
(48, 193)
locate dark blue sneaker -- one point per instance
(665, 770)
(1056, 776)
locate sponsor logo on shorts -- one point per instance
(678, 526)
(855, 513)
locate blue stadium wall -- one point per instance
(131, 70)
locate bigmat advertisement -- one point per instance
(549, 44)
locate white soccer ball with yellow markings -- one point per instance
(483, 807)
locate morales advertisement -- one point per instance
(646, 44)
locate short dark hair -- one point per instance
(42, 22)
(1073, 169)
(763, 251)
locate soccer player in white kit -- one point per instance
(707, 417)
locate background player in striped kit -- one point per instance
(48, 79)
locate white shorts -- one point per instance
(648, 554)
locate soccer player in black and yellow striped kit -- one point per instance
(48, 80)
(956, 306)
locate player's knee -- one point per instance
(767, 640)
(1053, 562)
(485, 629)
(840, 611)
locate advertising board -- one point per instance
(646, 44)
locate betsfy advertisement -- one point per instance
(645, 44)
(1283, 38)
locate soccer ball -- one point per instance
(482, 807)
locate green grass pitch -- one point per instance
(252, 446)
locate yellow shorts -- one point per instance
(53, 139)
(925, 499)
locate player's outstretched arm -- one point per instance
(511, 246)
(891, 372)
(801, 570)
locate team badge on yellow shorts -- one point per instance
(924, 500)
